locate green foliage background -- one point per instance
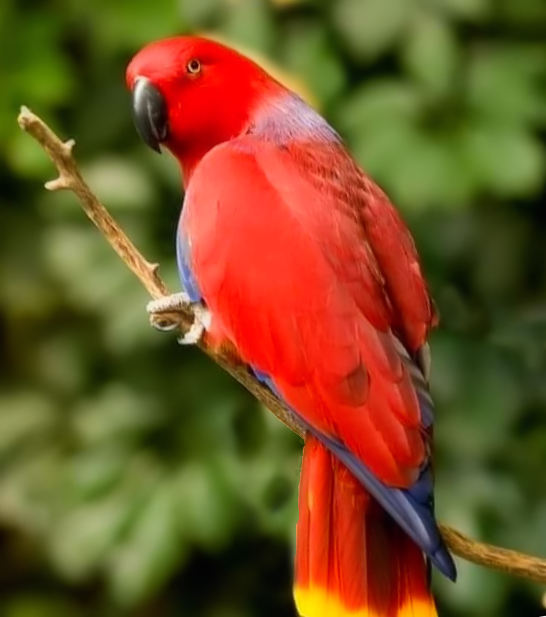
(136, 479)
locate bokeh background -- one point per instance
(136, 479)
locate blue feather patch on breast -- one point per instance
(187, 278)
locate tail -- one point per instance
(352, 559)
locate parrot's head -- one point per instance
(191, 93)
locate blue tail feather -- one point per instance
(412, 508)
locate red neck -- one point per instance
(238, 115)
(189, 158)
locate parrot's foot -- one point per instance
(169, 304)
(200, 324)
(159, 310)
(159, 316)
(193, 335)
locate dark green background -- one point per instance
(135, 477)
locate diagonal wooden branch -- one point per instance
(511, 562)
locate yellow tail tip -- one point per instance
(318, 602)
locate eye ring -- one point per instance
(193, 67)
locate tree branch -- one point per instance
(489, 556)
(511, 562)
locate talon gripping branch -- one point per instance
(308, 270)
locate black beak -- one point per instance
(149, 113)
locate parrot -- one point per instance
(302, 264)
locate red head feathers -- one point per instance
(209, 94)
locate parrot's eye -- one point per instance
(193, 67)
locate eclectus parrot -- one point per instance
(306, 268)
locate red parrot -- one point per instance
(307, 269)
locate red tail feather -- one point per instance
(352, 560)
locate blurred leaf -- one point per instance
(150, 551)
(438, 186)
(28, 487)
(430, 53)
(199, 14)
(473, 10)
(123, 329)
(309, 54)
(416, 170)
(370, 27)
(82, 538)
(24, 417)
(60, 362)
(504, 84)
(120, 184)
(40, 70)
(474, 582)
(26, 157)
(115, 412)
(248, 23)
(378, 103)
(205, 507)
(507, 162)
(95, 471)
(131, 23)
(85, 264)
(45, 77)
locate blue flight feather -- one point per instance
(407, 507)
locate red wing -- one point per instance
(386, 233)
(291, 280)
